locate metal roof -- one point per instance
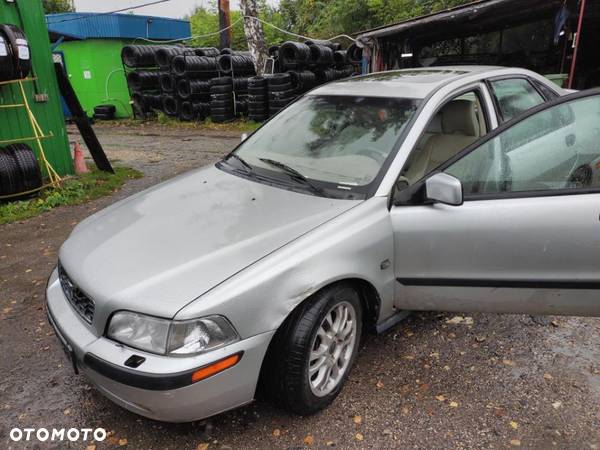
(477, 13)
(116, 26)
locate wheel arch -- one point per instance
(371, 306)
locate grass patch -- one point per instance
(74, 191)
(236, 126)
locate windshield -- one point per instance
(339, 143)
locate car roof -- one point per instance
(407, 83)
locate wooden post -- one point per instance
(225, 22)
(576, 49)
(254, 35)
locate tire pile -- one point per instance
(193, 84)
(19, 170)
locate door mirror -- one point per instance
(444, 188)
(244, 137)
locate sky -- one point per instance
(171, 8)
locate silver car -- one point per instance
(451, 189)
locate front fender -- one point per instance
(352, 245)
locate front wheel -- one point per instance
(315, 350)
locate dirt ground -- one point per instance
(434, 381)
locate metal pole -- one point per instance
(576, 49)
(225, 22)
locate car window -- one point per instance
(514, 96)
(555, 149)
(339, 142)
(458, 124)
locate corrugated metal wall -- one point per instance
(122, 26)
(29, 16)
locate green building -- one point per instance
(90, 46)
(41, 91)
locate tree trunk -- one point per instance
(254, 35)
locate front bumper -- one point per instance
(151, 389)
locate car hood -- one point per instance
(162, 248)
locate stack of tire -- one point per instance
(195, 83)
(258, 100)
(281, 92)
(19, 171)
(15, 54)
(221, 99)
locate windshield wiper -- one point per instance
(249, 169)
(295, 175)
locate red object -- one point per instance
(576, 50)
(79, 160)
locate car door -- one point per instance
(526, 235)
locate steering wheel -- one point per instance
(373, 154)
(581, 177)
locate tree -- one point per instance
(254, 34)
(57, 6)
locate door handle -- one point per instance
(570, 140)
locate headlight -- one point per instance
(163, 336)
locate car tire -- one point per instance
(296, 376)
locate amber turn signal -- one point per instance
(215, 368)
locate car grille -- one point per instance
(81, 302)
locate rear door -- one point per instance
(527, 237)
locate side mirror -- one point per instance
(444, 188)
(244, 137)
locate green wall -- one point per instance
(14, 124)
(96, 73)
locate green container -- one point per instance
(96, 73)
(558, 78)
(42, 93)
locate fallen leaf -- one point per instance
(91, 447)
(357, 420)
(453, 405)
(202, 446)
(67, 411)
(277, 432)
(515, 443)
(446, 368)
(460, 320)
(555, 323)
(308, 440)
(440, 398)
(508, 362)
(359, 436)
(387, 432)
(123, 442)
(557, 404)
(330, 443)
(380, 384)
(514, 425)
(547, 376)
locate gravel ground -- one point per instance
(434, 381)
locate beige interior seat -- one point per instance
(460, 128)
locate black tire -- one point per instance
(221, 111)
(222, 97)
(221, 89)
(222, 81)
(279, 78)
(281, 87)
(285, 376)
(10, 176)
(280, 104)
(290, 93)
(28, 165)
(221, 104)
(105, 109)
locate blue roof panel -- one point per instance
(117, 26)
